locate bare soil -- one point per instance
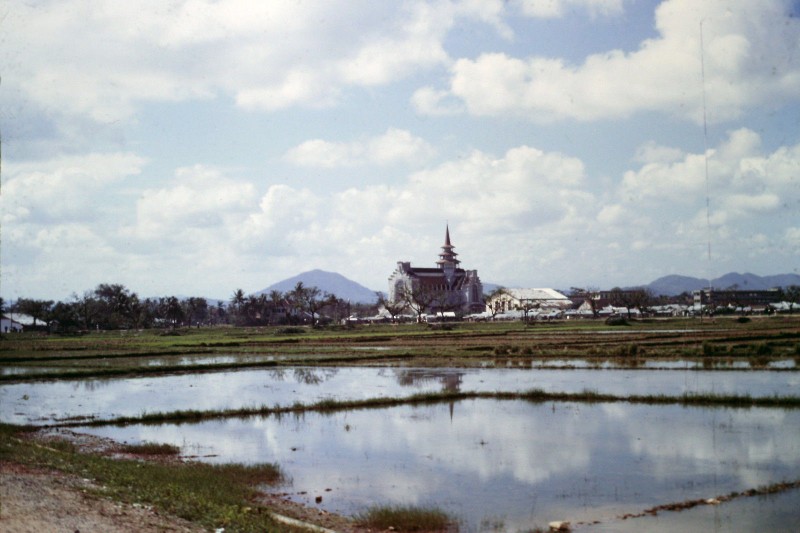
(37, 500)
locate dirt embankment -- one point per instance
(36, 500)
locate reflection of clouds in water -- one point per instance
(505, 458)
(223, 390)
(745, 443)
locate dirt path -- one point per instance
(36, 500)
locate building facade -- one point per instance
(735, 298)
(445, 287)
(528, 299)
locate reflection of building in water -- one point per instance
(308, 376)
(450, 380)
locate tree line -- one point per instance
(113, 306)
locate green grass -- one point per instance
(405, 518)
(534, 395)
(212, 496)
(151, 448)
(118, 353)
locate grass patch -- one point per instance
(405, 518)
(534, 395)
(151, 448)
(212, 496)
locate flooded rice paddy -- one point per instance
(510, 465)
(50, 401)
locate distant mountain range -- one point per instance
(674, 284)
(346, 289)
(329, 282)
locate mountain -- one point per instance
(673, 285)
(329, 282)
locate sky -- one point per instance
(194, 147)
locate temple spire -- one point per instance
(447, 257)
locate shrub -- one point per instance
(405, 518)
(502, 349)
(289, 331)
(709, 349)
(764, 349)
(151, 448)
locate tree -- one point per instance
(792, 295)
(65, 317)
(196, 310)
(38, 309)
(587, 295)
(237, 300)
(118, 307)
(314, 300)
(492, 302)
(632, 299)
(526, 306)
(278, 302)
(643, 300)
(336, 308)
(418, 297)
(171, 311)
(393, 308)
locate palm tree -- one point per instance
(237, 299)
(276, 298)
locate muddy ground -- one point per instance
(36, 500)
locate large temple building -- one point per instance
(445, 287)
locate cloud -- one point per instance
(67, 188)
(526, 214)
(558, 8)
(429, 101)
(749, 193)
(744, 204)
(394, 146)
(199, 199)
(791, 240)
(265, 56)
(650, 152)
(747, 62)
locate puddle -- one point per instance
(207, 360)
(182, 360)
(514, 465)
(44, 402)
(27, 370)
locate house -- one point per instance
(18, 322)
(528, 300)
(445, 287)
(9, 325)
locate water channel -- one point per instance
(44, 402)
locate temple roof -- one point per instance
(447, 256)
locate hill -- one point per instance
(329, 282)
(674, 284)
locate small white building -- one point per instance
(528, 300)
(11, 323)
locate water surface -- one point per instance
(45, 402)
(514, 465)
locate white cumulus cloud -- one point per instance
(748, 60)
(394, 146)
